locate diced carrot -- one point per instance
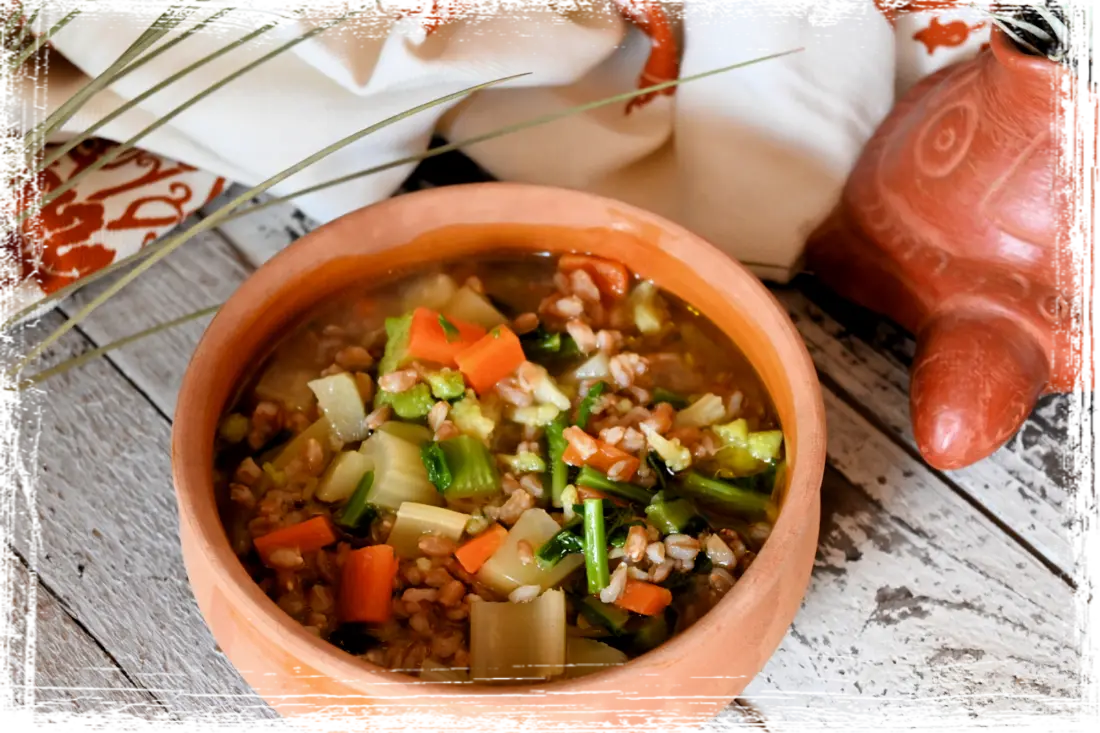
(612, 278)
(603, 459)
(496, 355)
(307, 536)
(435, 338)
(366, 585)
(644, 598)
(472, 555)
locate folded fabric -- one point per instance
(753, 159)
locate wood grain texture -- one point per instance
(71, 673)
(918, 605)
(108, 545)
(1023, 484)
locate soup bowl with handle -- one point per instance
(688, 679)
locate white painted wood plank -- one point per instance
(916, 598)
(1025, 499)
(71, 673)
(108, 544)
(260, 236)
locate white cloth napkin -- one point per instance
(751, 159)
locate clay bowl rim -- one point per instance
(195, 492)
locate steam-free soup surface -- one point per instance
(505, 470)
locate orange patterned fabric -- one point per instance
(111, 214)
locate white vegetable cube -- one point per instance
(342, 404)
(416, 520)
(518, 641)
(430, 291)
(466, 305)
(505, 571)
(342, 476)
(399, 474)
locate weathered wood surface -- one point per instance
(916, 592)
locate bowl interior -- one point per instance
(397, 236)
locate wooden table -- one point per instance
(937, 599)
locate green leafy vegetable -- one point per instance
(604, 615)
(555, 449)
(653, 632)
(357, 511)
(396, 354)
(595, 546)
(671, 516)
(435, 463)
(677, 400)
(471, 467)
(584, 411)
(450, 330)
(726, 495)
(541, 346)
(411, 404)
(593, 479)
(566, 542)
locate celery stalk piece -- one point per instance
(339, 480)
(586, 656)
(321, 431)
(593, 479)
(411, 404)
(342, 404)
(416, 520)
(504, 571)
(466, 305)
(417, 434)
(725, 495)
(396, 354)
(595, 546)
(399, 475)
(559, 471)
(357, 510)
(518, 641)
(473, 473)
(447, 384)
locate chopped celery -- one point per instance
(725, 495)
(533, 415)
(650, 311)
(466, 305)
(433, 671)
(733, 433)
(604, 615)
(586, 656)
(670, 516)
(397, 344)
(342, 404)
(416, 520)
(675, 455)
(234, 428)
(525, 462)
(471, 468)
(744, 452)
(321, 431)
(505, 570)
(708, 410)
(595, 546)
(435, 463)
(357, 511)
(411, 404)
(584, 410)
(555, 449)
(447, 384)
(764, 445)
(418, 434)
(677, 400)
(515, 641)
(470, 419)
(429, 291)
(593, 479)
(343, 475)
(399, 475)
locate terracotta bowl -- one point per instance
(690, 678)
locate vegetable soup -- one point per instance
(508, 469)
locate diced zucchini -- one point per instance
(518, 641)
(416, 520)
(397, 344)
(342, 404)
(744, 453)
(342, 476)
(416, 434)
(707, 410)
(473, 473)
(433, 671)
(764, 445)
(411, 404)
(469, 417)
(447, 384)
(505, 571)
(586, 656)
(466, 305)
(429, 291)
(604, 615)
(399, 475)
(321, 431)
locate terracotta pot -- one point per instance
(297, 673)
(955, 223)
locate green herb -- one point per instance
(541, 346)
(357, 511)
(584, 411)
(593, 479)
(595, 546)
(678, 401)
(726, 495)
(660, 470)
(435, 462)
(450, 330)
(566, 542)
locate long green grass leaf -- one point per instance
(430, 153)
(44, 38)
(164, 119)
(130, 104)
(171, 43)
(217, 217)
(91, 354)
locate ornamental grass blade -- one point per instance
(164, 119)
(41, 41)
(91, 354)
(172, 243)
(429, 153)
(130, 104)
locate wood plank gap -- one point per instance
(831, 384)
